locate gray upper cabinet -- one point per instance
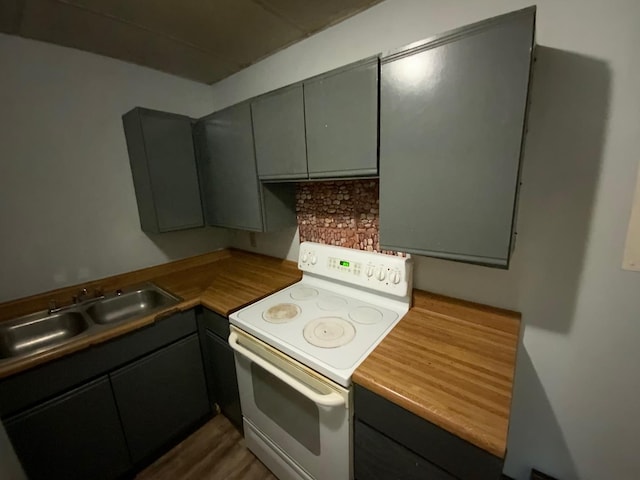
(232, 195)
(163, 165)
(230, 187)
(341, 117)
(278, 130)
(452, 122)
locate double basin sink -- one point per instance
(41, 331)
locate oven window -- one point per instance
(292, 411)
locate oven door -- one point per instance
(297, 421)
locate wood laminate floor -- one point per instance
(215, 451)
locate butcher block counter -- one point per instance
(451, 363)
(447, 361)
(222, 281)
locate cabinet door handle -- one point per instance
(332, 399)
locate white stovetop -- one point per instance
(371, 316)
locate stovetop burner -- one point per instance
(344, 305)
(303, 292)
(329, 332)
(281, 313)
(366, 315)
(332, 303)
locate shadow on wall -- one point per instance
(561, 165)
(565, 143)
(280, 244)
(187, 243)
(539, 439)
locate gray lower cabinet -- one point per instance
(341, 118)
(232, 195)
(163, 164)
(278, 130)
(220, 365)
(380, 458)
(391, 442)
(161, 396)
(101, 412)
(452, 122)
(224, 371)
(76, 435)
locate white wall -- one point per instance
(67, 205)
(575, 408)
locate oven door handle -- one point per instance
(332, 399)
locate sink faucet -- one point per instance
(80, 298)
(53, 307)
(82, 294)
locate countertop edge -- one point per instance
(507, 322)
(455, 428)
(82, 342)
(422, 301)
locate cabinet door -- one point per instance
(435, 446)
(163, 165)
(231, 192)
(161, 396)
(34, 386)
(278, 130)
(341, 115)
(224, 376)
(76, 435)
(377, 457)
(452, 115)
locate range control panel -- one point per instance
(388, 273)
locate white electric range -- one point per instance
(296, 350)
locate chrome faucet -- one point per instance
(83, 294)
(79, 298)
(53, 307)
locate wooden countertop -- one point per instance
(222, 281)
(450, 362)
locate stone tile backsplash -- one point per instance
(341, 212)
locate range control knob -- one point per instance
(395, 278)
(370, 271)
(314, 259)
(380, 273)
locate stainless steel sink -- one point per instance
(128, 305)
(39, 331)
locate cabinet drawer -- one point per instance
(447, 451)
(378, 457)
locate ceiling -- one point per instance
(203, 40)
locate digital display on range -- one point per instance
(344, 263)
